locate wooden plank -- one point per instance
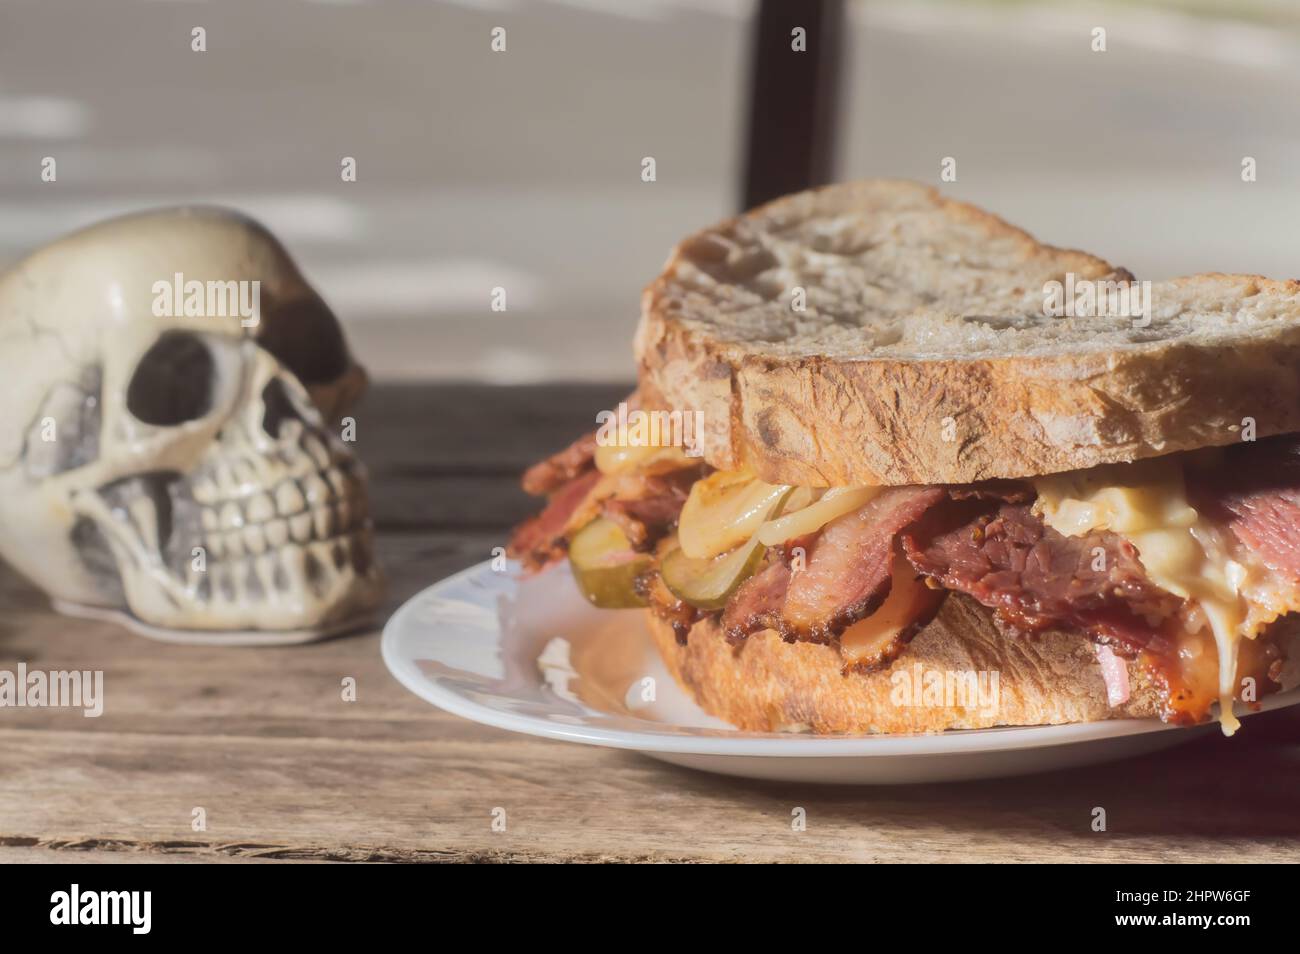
(432, 799)
(473, 429)
(449, 458)
(793, 99)
(213, 690)
(96, 853)
(262, 740)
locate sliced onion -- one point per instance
(802, 497)
(834, 503)
(724, 510)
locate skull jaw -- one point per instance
(300, 591)
(349, 602)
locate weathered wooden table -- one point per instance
(262, 740)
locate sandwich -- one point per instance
(893, 466)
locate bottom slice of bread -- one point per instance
(959, 672)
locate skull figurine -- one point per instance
(178, 466)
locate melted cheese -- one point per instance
(1146, 503)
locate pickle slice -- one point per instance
(605, 566)
(708, 583)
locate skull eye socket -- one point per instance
(306, 338)
(172, 383)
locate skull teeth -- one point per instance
(319, 566)
(260, 509)
(255, 539)
(252, 536)
(307, 461)
(264, 566)
(322, 521)
(300, 527)
(313, 507)
(315, 489)
(277, 532)
(317, 450)
(231, 516)
(289, 499)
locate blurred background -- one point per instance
(522, 169)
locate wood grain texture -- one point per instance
(261, 739)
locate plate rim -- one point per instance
(752, 744)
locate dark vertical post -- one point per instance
(793, 98)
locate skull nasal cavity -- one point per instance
(279, 408)
(172, 383)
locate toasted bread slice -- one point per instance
(767, 685)
(925, 353)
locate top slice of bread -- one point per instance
(924, 352)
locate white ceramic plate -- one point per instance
(533, 656)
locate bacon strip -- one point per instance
(998, 488)
(557, 470)
(646, 507)
(681, 616)
(540, 540)
(1256, 495)
(847, 575)
(848, 570)
(1034, 577)
(757, 603)
(1268, 524)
